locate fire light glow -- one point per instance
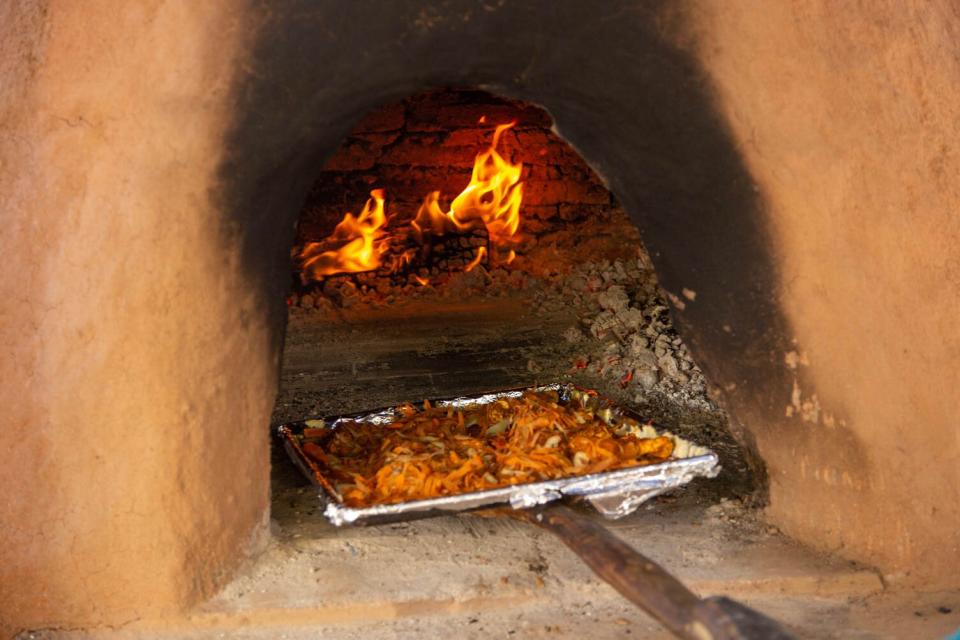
(362, 243)
(491, 200)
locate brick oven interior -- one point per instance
(739, 223)
(579, 302)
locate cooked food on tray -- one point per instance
(428, 451)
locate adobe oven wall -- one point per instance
(137, 371)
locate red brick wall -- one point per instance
(428, 142)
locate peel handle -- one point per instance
(650, 586)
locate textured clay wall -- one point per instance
(136, 377)
(849, 120)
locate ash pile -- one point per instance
(625, 337)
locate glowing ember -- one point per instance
(360, 241)
(491, 200)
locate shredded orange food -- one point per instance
(439, 451)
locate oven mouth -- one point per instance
(454, 244)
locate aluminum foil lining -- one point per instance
(613, 493)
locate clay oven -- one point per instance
(790, 171)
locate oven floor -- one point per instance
(368, 359)
(423, 350)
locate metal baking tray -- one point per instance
(613, 493)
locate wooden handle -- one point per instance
(650, 586)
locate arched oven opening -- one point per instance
(456, 245)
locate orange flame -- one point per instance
(494, 193)
(481, 252)
(432, 219)
(361, 239)
(493, 197)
